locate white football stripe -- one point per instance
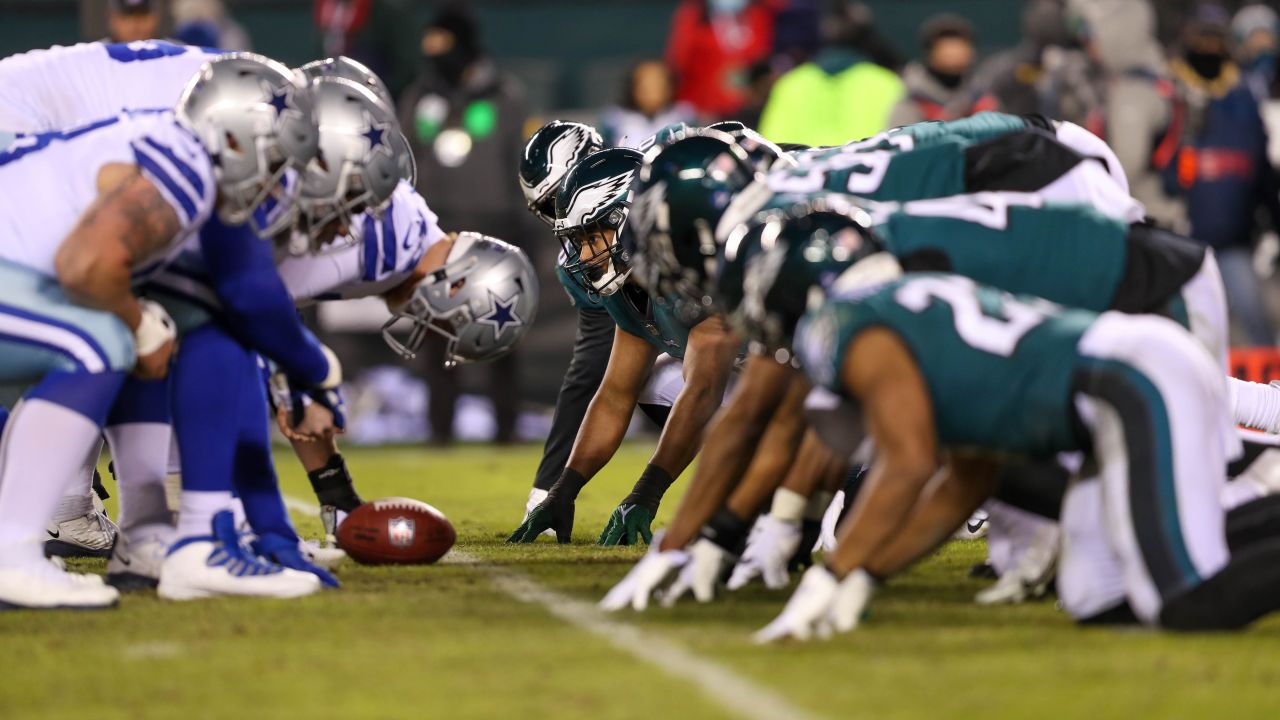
(728, 689)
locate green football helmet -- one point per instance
(592, 205)
(786, 259)
(548, 156)
(683, 190)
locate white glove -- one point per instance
(806, 612)
(827, 537)
(706, 561)
(770, 547)
(637, 587)
(821, 606)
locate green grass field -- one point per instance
(451, 641)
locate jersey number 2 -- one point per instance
(995, 329)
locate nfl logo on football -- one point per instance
(400, 531)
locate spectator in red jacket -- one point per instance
(713, 43)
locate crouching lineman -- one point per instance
(939, 366)
(101, 205)
(658, 359)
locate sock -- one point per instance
(140, 453)
(1255, 405)
(45, 448)
(78, 502)
(196, 510)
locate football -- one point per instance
(396, 531)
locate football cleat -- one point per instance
(1031, 575)
(324, 556)
(975, 528)
(536, 497)
(218, 565)
(90, 535)
(136, 565)
(46, 586)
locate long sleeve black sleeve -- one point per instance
(582, 379)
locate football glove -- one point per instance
(770, 547)
(628, 524)
(820, 606)
(707, 561)
(830, 521)
(639, 585)
(555, 512)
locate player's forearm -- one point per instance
(946, 504)
(314, 454)
(682, 435)
(732, 439)
(99, 285)
(881, 509)
(776, 460)
(602, 431)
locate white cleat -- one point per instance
(975, 528)
(45, 586)
(219, 566)
(136, 565)
(536, 497)
(322, 556)
(1030, 577)
(90, 535)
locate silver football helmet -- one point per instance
(254, 116)
(353, 70)
(362, 156)
(483, 300)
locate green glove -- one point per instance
(627, 524)
(554, 513)
(549, 515)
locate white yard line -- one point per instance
(730, 690)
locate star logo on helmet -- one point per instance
(376, 135)
(502, 314)
(281, 99)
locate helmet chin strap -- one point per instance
(615, 282)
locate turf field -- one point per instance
(454, 641)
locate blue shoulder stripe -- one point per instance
(370, 239)
(175, 190)
(183, 167)
(389, 243)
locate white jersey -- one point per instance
(380, 254)
(48, 180)
(66, 87)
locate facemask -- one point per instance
(950, 81)
(1206, 65)
(452, 63)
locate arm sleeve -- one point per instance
(586, 370)
(256, 304)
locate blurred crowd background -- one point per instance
(1186, 92)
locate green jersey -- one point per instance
(998, 368)
(633, 311)
(989, 151)
(1070, 254)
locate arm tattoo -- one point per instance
(151, 223)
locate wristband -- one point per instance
(154, 329)
(788, 505)
(726, 530)
(649, 489)
(568, 486)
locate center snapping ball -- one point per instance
(396, 531)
